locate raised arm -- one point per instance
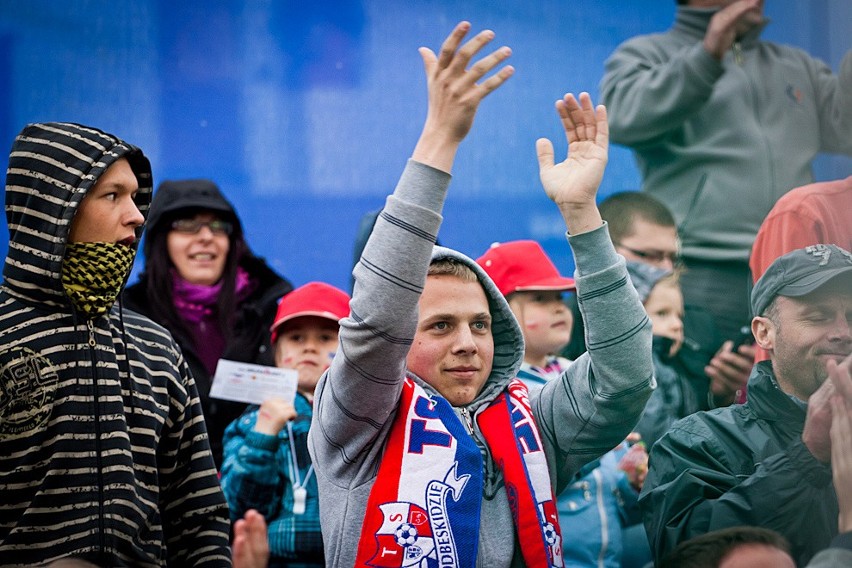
(573, 183)
(600, 397)
(834, 104)
(357, 397)
(454, 94)
(652, 85)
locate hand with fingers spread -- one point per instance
(573, 183)
(455, 90)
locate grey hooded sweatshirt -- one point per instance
(583, 415)
(103, 449)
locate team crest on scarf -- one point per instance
(406, 537)
(423, 510)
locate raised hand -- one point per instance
(727, 22)
(573, 183)
(455, 93)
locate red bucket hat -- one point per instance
(313, 299)
(518, 266)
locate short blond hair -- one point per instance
(452, 267)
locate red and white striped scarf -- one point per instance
(424, 506)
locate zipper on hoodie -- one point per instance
(738, 52)
(92, 341)
(468, 421)
(92, 344)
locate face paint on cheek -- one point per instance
(330, 359)
(287, 361)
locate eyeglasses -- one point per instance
(654, 255)
(193, 226)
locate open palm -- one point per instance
(575, 181)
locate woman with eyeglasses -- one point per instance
(202, 283)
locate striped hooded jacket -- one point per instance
(103, 448)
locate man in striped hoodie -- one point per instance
(103, 448)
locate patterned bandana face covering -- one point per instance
(92, 274)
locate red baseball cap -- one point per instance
(519, 266)
(313, 299)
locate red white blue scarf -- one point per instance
(424, 507)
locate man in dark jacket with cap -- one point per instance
(766, 462)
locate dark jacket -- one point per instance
(103, 453)
(249, 341)
(672, 400)
(701, 341)
(740, 465)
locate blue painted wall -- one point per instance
(304, 113)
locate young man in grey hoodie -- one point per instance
(431, 322)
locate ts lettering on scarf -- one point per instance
(93, 273)
(424, 506)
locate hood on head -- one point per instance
(644, 277)
(508, 338)
(52, 166)
(174, 198)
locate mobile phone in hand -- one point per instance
(744, 337)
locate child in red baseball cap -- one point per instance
(596, 506)
(266, 463)
(532, 285)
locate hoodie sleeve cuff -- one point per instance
(423, 186)
(593, 250)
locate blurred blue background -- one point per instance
(304, 113)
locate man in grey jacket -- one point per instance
(722, 124)
(449, 338)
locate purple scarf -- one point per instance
(196, 306)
